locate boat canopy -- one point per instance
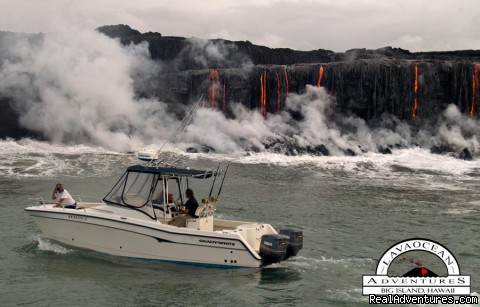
(171, 171)
(140, 186)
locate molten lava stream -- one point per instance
(415, 88)
(320, 75)
(475, 93)
(263, 93)
(213, 85)
(278, 92)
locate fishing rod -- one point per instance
(185, 122)
(192, 112)
(214, 179)
(225, 174)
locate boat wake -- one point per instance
(313, 264)
(48, 246)
(38, 243)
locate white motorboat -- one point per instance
(147, 155)
(136, 220)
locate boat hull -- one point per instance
(127, 237)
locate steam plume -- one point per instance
(79, 88)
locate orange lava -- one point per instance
(475, 93)
(213, 85)
(415, 88)
(263, 93)
(278, 92)
(320, 75)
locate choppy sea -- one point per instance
(351, 210)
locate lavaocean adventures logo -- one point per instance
(417, 277)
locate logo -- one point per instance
(397, 273)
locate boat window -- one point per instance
(115, 195)
(158, 196)
(164, 187)
(137, 189)
(133, 190)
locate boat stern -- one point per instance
(270, 245)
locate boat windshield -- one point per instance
(134, 190)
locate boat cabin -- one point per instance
(158, 192)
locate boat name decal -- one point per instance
(217, 242)
(77, 217)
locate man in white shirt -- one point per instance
(64, 199)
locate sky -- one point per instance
(338, 25)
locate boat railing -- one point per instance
(44, 202)
(81, 199)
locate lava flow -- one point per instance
(320, 75)
(278, 92)
(263, 93)
(213, 85)
(475, 92)
(415, 98)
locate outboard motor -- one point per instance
(273, 248)
(295, 242)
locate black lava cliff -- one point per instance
(364, 82)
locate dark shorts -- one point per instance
(74, 206)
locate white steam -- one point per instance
(318, 125)
(454, 130)
(250, 129)
(78, 88)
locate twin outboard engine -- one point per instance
(277, 247)
(273, 248)
(295, 242)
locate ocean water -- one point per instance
(351, 210)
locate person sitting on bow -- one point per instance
(63, 198)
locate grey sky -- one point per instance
(338, 25)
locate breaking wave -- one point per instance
(36, 159)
